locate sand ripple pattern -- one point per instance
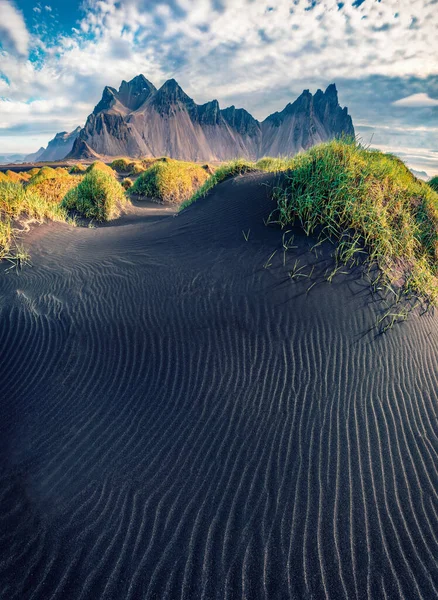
(179, 422)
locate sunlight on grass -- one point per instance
(368, 200)
(170, 181)
(98, 196)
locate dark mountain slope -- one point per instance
(139, 120)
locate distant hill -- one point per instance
(420, 174)
(35, 156)
(11, 158)
(60, 146)
(141, 120)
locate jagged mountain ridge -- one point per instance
(59, 146)
(141, 120)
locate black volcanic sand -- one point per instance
(178, 421)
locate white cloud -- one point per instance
(218, 53)
(48, 8)
(416, 101)
(14, 36)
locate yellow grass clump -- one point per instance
(13, 176)
(98, 196)
(366, 201)
(127, 183)
(77, 169)
(43, 174)
(100, 166)
(170, 181)
(55, 188)
(18, 204)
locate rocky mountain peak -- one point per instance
(134, 93)
(331, 92)
(107, 101)
(169, 95)
(241, 120)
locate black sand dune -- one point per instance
(178, 421)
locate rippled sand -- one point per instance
(178, 421)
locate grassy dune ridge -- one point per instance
(367, 202)
(237, 167)
(370, 203)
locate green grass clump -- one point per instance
(127, 183)
(170, 181)
(20, 203)
(98, 196)
(124, 165)
(229, 169)
(135, 168)
(434, 183)
(121, 165)
(366, 200)
(100, 166)
(43, 174)
(149, 161)
(273, 165)
(77, 169)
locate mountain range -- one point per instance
(140, 120)
(57, 149)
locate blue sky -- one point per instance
(56, 57)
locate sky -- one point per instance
(57, 56)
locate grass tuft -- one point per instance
(366, 200)
(273, 165)
(121, 165)
(14, 177)
(18, 205)
(170, 181)
(100, 166)
(77, 169)
(46, 173)
(98, 196)
(55, 188)
(127, 183)
(434, 183)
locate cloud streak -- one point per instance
(416, 101)
(14, 36)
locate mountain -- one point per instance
(82, 150)
(141, 120)
(35, 156)
(420, 174)
(60, 146)
(6, 159)
(308, 121)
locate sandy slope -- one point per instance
(180, 422)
